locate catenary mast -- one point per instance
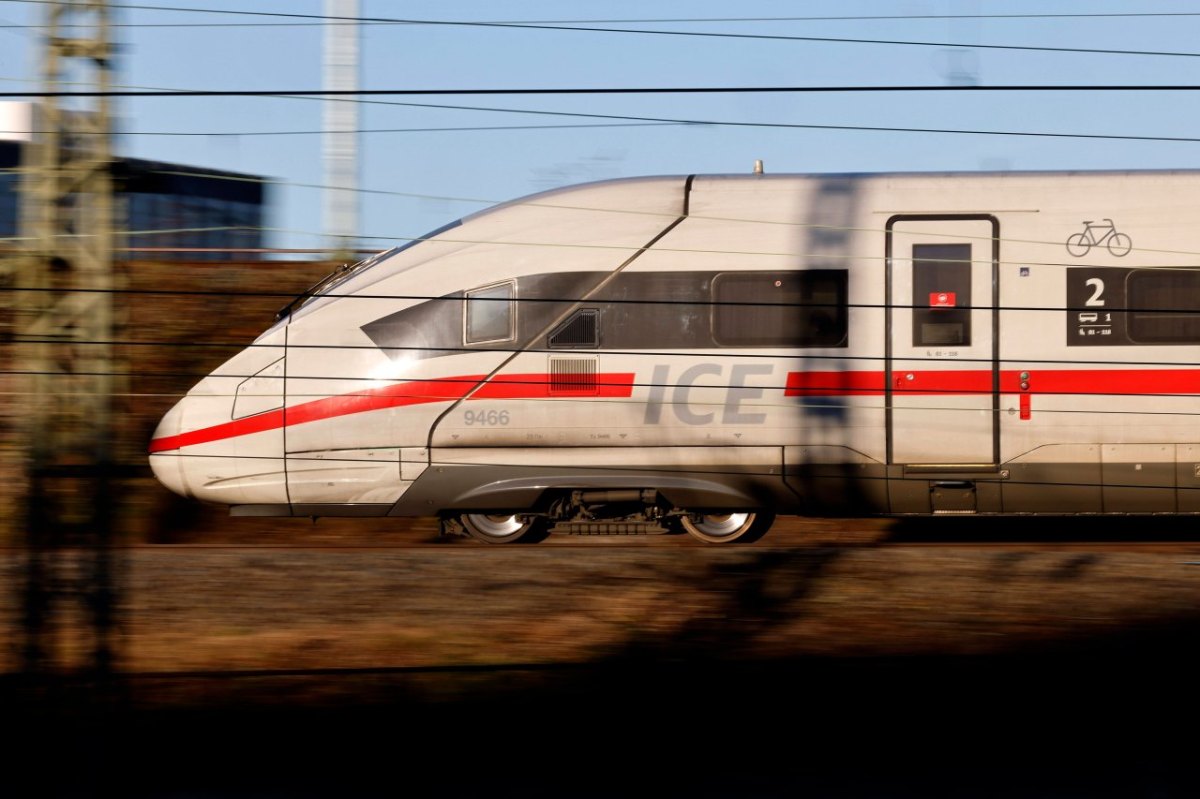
(64, 336)
(341, 127)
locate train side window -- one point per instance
(1164, 306)
(490, 314)
(780, 309)
(941, 300)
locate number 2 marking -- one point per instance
(1097, 284)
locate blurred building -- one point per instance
(170, 211)
(176, 212)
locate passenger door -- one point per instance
(941, 349)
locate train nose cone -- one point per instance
(165, 460)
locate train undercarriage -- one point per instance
(609, 512)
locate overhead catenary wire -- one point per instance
(632, 120)
(656, 122)
(324, 93)
(444, 238)
(320, 19)
(590, 27)
(532, 201)
(618, 90)
(816, 354)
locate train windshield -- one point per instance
(346, 271)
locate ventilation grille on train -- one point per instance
(573, 376)
(581, 331)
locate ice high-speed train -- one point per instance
(701, 353)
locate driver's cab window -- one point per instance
(490, 314)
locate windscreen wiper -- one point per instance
(329, 281)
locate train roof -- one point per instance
(804, 177)
(960, 173)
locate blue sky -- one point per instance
(415, 181)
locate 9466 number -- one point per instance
(486, 418)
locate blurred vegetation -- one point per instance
(178, 320)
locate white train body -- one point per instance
(708, 348)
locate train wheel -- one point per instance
(725, 528)
(501, 528)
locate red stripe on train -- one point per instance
(416, 392)
(1131, 382)
(239, 427)
(834, 384)
(1126, 382)
(394, 396)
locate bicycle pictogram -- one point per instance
(1093, 235)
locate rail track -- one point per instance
(833, 657)
(1107, 533)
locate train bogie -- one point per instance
(699, 354)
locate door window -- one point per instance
(941, 299)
